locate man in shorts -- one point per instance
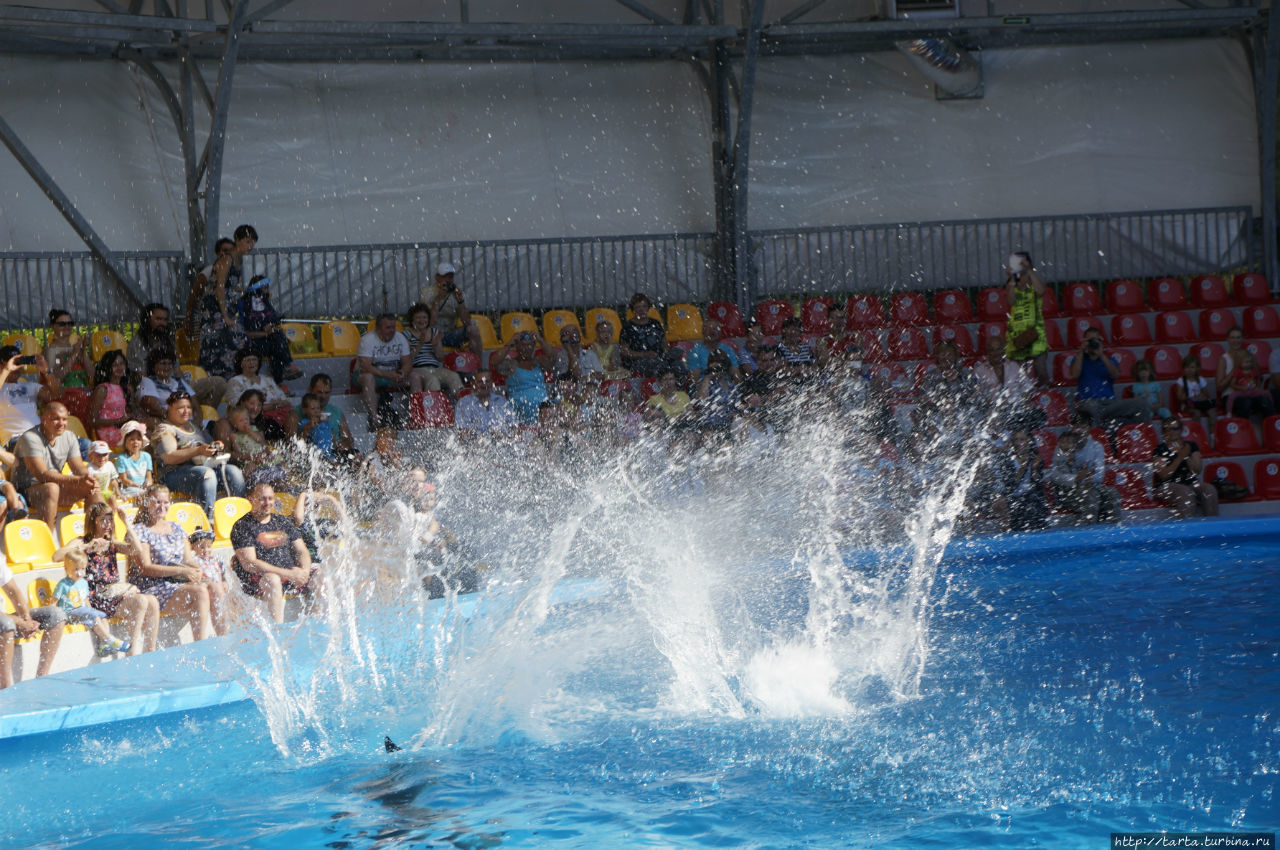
(383, 363)
(271, 557)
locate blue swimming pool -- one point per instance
(1075, 683)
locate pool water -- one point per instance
(1066, 694)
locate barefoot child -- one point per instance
(72, 595)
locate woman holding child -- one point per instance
(167, 566)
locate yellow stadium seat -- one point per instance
(106, 340)
(285, 503)
(339, 339)
(226, 511)
(40, 592)
(488, 337)
(209, 413)
(192, 373)
(188, 349)
(75, 426)
(556, 320)
(27, 346)
(594, 315)
(683, 322)
(189, 515)
(70, 527)
(514, 323)
(29, 544)
(302, 342)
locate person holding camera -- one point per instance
(448, 304)
(1095, 375)
(20, 400)
(717, 393)
(1026, 339)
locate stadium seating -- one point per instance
(729, 317)
(593, 318)
(1208, 290)
(1135, 443)
(957, 335)
(863, 311)
(1234, 436)
(1125, 296)
(987, 330)
(1062, 369)
(1130, 330)
(814, 315)
(429, 409)
(1165, 360)
(909, 308)
(1124, 360)
(952, 305)
(1193, 431)
(1081, 299)
(770, 315)
(488, 336)
(1132, 487)
(872, 351)
(27, 346)
(1261, 321)
(105, 340)
(1271, 433)
(1055, 407)
(516, 322)
(993, 304)
(462, 362)
(1208, 354)
(1231, 471)
(554, 321)
(1167, 293)
(28, 544)
(684, 322)
(907, 343)
(1251, 289)
(1053, 336)
(339, 339)
(1266, 478)
(189, 515)
(1099, 436)
(70, 526)
(614, 387)
(302, 342)
(1076, 327)
(1049, 304)
(1046, 445)
(226, 511)
(1259, 348)
(1174, 326)
(1214, 324)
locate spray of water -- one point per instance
(673, 576)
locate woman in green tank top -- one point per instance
(1026, 336)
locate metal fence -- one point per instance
(593, 271)
(946, 254)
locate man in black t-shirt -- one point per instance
(1176, 466)
(271, 557)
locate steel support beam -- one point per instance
(74, 217)
(744, 277)
(218, 129)
(1268, 89)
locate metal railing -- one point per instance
(541, 274)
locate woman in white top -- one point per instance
(1230, 359)
(247, 378)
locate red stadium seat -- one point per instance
(1231, 471)
(1266, 478)
(1062, 369)
(1135, 443)
(987, 330)
(952, 305)
(1261, 321)
(648, 388)
(1054, 404)
(863, 311)
(1271, 433)
(872, 351)
(813, 315)
(429, 410)
(614, 387)
(1251, 289)
(1234, 436)
(1049, 306)
(1099, 436)
(1076, 327)
(1132, 486)
(1208, 353)
(1208, 290)
(1167, 293)
(922, 370)
(462, 362)
(1053, 335)
(1081, 299)
(907, 343)
(770, 314)
(1174, 326)
(1261, 350)
(1125, 296)
(993, 304)
(1166, 361)
(1193, 431)
(730, 319)
(1130, 330)
(957, 335)
(893, 375)
(1214, 324)
(1124, 360)
(1046, 444)
(909, 308)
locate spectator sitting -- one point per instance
(766, 381)
(607, 353)
(717, 393)
(322, 388)
(425, 344)
(951, 387)
(14, 507)
(160, 382)
(1027, 510)
(1229, 360)
(449, 311)
(1076, 476)
(67, 360)
(754, 342)
(697, 357)
(1191, 392)
(189, 460)
(525, 382)
(275, 403)
(20, 400)
(261, 325)
(135, 470)
(42, 453)
(112, 396)
(271, 558)
(799, 356)
(252, 401)
(670, 400)
(1246, 392)
(483, 411)
(23, 623)
(383, 362)
(201, 542)
(1176, 465)
(999, 378)
(154, 334)
(72, 595)
(573, 359)
(214, 292)
(164, 566)
(249, 449)
(642, 343)
(1146, 388)
(1095, 373)
(316, 427)
(101, 469)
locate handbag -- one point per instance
(1230, 490)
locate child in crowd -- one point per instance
(1245, 394)
(1192, 393)
(101, 468)
(135, 470)
(15, 507)
(314, 426)
(202, 545)
(249, 447)
(72, 595)
(1146, 388)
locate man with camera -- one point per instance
(448, 305)
(20, 400)
(1095, 375)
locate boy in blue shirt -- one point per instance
(315, 426)
(72, 596)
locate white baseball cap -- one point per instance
(446, 268)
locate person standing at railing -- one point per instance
(261, 324)
(1026, 339)
(214, 293)
(448, 304)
